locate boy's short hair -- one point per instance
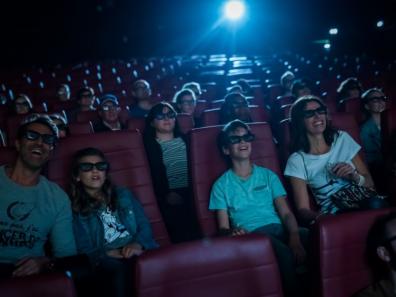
(227, 130)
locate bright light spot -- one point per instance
(380, 23)
(234, 9)
(333, 31)
(327, 45)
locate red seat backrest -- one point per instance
(346, 122)
(7, 155)
(80, 128)
(128, 167)
(58, 106)
(207, 164)
(43, 285)
(211, 117)
(353, 106)
(86, 116)
(234, 267)
(136, 124)
(186, 122)
(12, 125)
(340, 267)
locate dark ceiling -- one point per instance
(66, 31)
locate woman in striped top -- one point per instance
(167, 154)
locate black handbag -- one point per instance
(352, 197)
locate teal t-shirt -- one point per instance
(29, 216)
(250, 202)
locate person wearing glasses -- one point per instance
(166, 150)
(61, 124)
(63, 92)
(33, 209)
(109, 223)
(374, 103)
(109, 113)
(185, 101)
(322, 157)
(249, 198)
(348, 89)
(22, 105)
(141, 92)
(86, 102)
(301, 87)
(381, 257)
(235, 106)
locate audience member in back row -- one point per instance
(301, 87)
(22, 105)
(325, 159)
(167, 155)
(235, 106)
(109, 113)
(109, 223)
(32, 209)
(286, 82)
(246, 89)
(251, 199)
(63, 92)
(381, 255)
(85, 100)
(61, 124)
(141, 93)
(195, 87)
(374, 102)
(185, 101)
(349, 88)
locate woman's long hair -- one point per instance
(82, 202)
(149, 130)
(299, 138)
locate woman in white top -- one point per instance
(323, 158)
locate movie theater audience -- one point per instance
(109, 113)
(235, 106)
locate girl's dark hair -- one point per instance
(149, 130)
(299, 138)
(82, 202)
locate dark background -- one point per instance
(70, 31)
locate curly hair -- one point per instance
(82, 202)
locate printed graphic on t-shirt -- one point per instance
(112, 228)
(14, 230)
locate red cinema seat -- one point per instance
(233, 267)
(58, 106)
(47, 285)
(273, 91)
(186, 122)
(211, 117)
(340, 267)
(346, 122)
(128, 167)
(7, 155)
(136, 124)
(12, 125)
(207, 164)
(353, 106)
(200, 107)
(80, 128)
(86, 116)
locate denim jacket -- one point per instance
(89, 231)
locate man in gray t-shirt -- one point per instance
(33, 209)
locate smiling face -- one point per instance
(94, 179)
(34, 153)
(241, 150)
(375, 103)
(315, 124)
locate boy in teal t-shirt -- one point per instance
(251, 199)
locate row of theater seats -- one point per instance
(243, 266)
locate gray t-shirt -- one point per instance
(29, 216)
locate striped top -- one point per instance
(174, 156)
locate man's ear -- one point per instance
(383, 254)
